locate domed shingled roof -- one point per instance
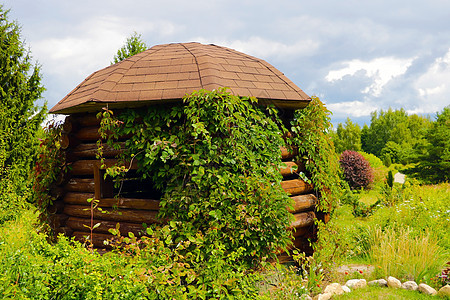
(168, 72)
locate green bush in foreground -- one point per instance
(147, 269)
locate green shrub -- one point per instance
(378, 168)
(359, 209)
(148, 268)
(11, 203)
(373, 160)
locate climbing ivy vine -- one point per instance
(310, 127)
(50, 167)
(216, 158)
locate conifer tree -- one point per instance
(20, 88)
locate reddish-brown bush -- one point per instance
(356, 168)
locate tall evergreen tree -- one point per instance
(20, 87)
(133, 45)
(435, 163)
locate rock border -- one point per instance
(391, 282)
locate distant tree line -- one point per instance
(396, 137)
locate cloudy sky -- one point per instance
(356, 55)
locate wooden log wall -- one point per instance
(71, 214)
(303, 199)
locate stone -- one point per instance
(426, 289)
(325, 296)
(346, 289)
(444, 291)
(378, 282)
(393, 282)
(334, 289)
(410, 285)
(399, 177)
(356, 283)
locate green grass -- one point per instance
(383, 294)
(408, 239)
(369, 197)
(397, 253)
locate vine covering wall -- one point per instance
(310, 127)
(216, 159)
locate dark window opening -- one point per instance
(131, 186)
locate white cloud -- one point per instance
(380, 70)
(87, 47)
(351, 108)
(91, 47)
(263, 48)
(433, 86)
(94, 43)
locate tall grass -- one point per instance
(421, 208)
(404, 254)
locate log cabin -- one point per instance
(163, 74)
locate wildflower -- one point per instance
(346, 273)
(360, 271)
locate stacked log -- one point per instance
(71, 213)
(303, 199)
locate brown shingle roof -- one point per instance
(168, 72)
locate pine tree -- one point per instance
(435, 163)
(20, 87)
